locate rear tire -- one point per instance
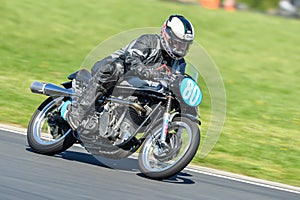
(39, 128)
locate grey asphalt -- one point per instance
(75, 174)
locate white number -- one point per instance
(191, 93)
(195, 96)
(187, 92)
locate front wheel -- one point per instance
(162, 160)
(47, 132)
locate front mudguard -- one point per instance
(189, 116)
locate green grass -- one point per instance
(257, 55)
(261, 5)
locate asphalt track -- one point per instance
(75, 174)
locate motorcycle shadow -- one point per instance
(126, 164)
(180, 178)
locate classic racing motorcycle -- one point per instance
(158, 119)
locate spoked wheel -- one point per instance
(159, 160)
(47, 132)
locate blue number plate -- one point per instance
(190, 92)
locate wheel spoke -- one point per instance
(47, 129)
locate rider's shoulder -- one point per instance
(149, 37)
(151, 40)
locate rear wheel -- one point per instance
(159, 160)
(47, 132)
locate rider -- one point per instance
(139, 58)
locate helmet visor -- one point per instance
(179, 47)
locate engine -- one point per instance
(118, 122)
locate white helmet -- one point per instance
(176, 35)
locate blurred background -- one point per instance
(254, 43)
(285, 8)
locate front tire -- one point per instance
(47, 132)
(183, 140)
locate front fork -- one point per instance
(166, 119)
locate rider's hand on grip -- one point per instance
(166, 79)
(169, 78)
(151, 74)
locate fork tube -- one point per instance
(166, 119)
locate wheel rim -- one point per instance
(152, 163)
(41, 129)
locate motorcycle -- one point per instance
(158, 119)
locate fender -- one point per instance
(189, 116)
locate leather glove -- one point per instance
(150, 74)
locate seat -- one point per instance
(81, 75)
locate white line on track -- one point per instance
(202, 170)
(247, 181)
(13, 131)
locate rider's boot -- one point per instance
(81, 112)
(85, 88)
(83, 105)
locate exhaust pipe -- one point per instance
(125, 102)
(50, 89)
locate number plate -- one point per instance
(190, 92)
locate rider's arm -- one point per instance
(139, 51)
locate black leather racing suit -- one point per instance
(144, 53)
